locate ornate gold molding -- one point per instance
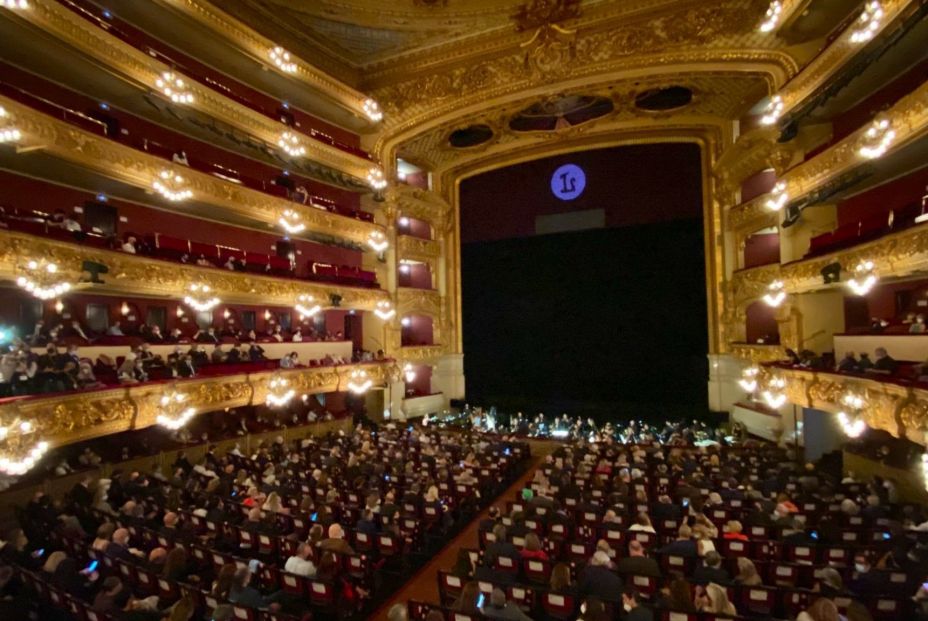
(257, 46)
(909, 118)
(140, 169)
(66, 419)
(418, 301)
(900, 410)
(136, 275)
(757, 353)
(416, 249)
(423, 354)
(815, 74)
(418, 203)
(143, 71)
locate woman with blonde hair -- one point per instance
(532, 548)
(714, 599)
(822, 609)
(273, 504)
(104, 534)
(561, 583)
(643, 524)
(747, 573)
(53, 561)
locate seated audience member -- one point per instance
(206, 336)
(598, 580)
(243, 594)
(864, 580)
(634, 610)
(499, 608)
(532, 548)
(560, 582)
(336, 541)
(733, 531)
(822, 609)
(683, 546)
(642, 524)
(848, 364)
(637, 564)
(714, 599)
(297, 335)
(467, 600)
(130, 245)
(112, 597)
(747, 573)
(711, 570)
(883, 362)
(918, 326)
(676, 595)
(301, 562)
(256, 353)
(218, 356)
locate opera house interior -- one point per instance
(245, 246)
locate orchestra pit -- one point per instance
(245, 246)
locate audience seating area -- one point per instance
(867, 229)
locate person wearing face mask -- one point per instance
(918, 326)
(632, 608)
(865, 581)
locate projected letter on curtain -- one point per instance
(568, 182)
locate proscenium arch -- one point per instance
(709, 138)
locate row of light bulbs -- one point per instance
(865, 27)
(861, 283)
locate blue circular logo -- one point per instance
(568, 182)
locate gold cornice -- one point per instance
(418, 203)
(140, 169)
(137, 275)
(418, 301)
(909, 118)
(257, 46)
(143, 71)
(757, 353)
(815, 74)
(75, 417)
(422, 353)
(900, 410)
(416, 249)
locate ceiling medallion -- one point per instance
(552, 47)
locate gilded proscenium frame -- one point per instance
(909, 118)
(899, 410)
(806, 83)
(116, 161)
(257, 46)
(131, 274)
(75, 417)
(143, 71)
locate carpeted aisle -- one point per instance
(423, 585)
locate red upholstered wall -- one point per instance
(418, 332)
(758, 184)
(418, 276)
(638, 184)
(885, 198)
(415, 228)
(136, 129)
(762, 249)
(881, 301)
(21, 192)
(422, 384)
(761, 323)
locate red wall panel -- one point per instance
(885, 198)
(761, 323)
(762, 249)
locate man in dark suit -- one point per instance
(119, 546)
(599, 581)
(683, 546)
(366, 523)
(664, 509)
(637, 564)
(631, 603)
(711, 570)
(865, 581)
(500, 546)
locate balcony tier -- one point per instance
(63, 419)
(135, 168)
(136, 275)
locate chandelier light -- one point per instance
(42, 280)
(172, 186)
(199, 298)
(378, 241)
(748, 379)
(851, 426)
(773, 111)
(864, 278)
(877, 139)
(409, 372)
(8, 134)
(291, 144)
(18, 454)
(174, 88)
(925, 469)
(384, 309)
(376, 179)
(359, 382)
(281, 58)
(868, 23)
(775, 294)
(306, 305)
(775, 395)
(279, 392)
(778, 197)
(290, 222)
(172, 411)
(14, 4)
(771, 17)
(372, 110)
